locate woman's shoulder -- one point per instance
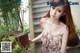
(64, 26)
(44, 19)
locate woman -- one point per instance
(57, 29)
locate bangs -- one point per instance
(54, 5)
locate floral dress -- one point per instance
(51, 43)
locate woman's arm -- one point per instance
(64, 40)
(39, 36)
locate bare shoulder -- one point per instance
(43, 20)
(64, 26)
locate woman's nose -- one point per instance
(54, 12)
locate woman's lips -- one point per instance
(54, 16)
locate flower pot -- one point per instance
(22, 38)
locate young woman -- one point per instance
(57, 29)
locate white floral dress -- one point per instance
(51, 43)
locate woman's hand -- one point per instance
(30, 41)
(35, 39)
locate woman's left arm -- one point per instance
(64, 40)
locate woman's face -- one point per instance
(56, 11)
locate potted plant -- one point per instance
(10, 22)
(20, 43)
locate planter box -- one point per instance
(22, 38)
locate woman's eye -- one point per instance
(59, 10)
(53, 8)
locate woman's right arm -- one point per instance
(39, 36)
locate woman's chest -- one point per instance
(52, 29)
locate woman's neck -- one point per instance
(54, 21)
